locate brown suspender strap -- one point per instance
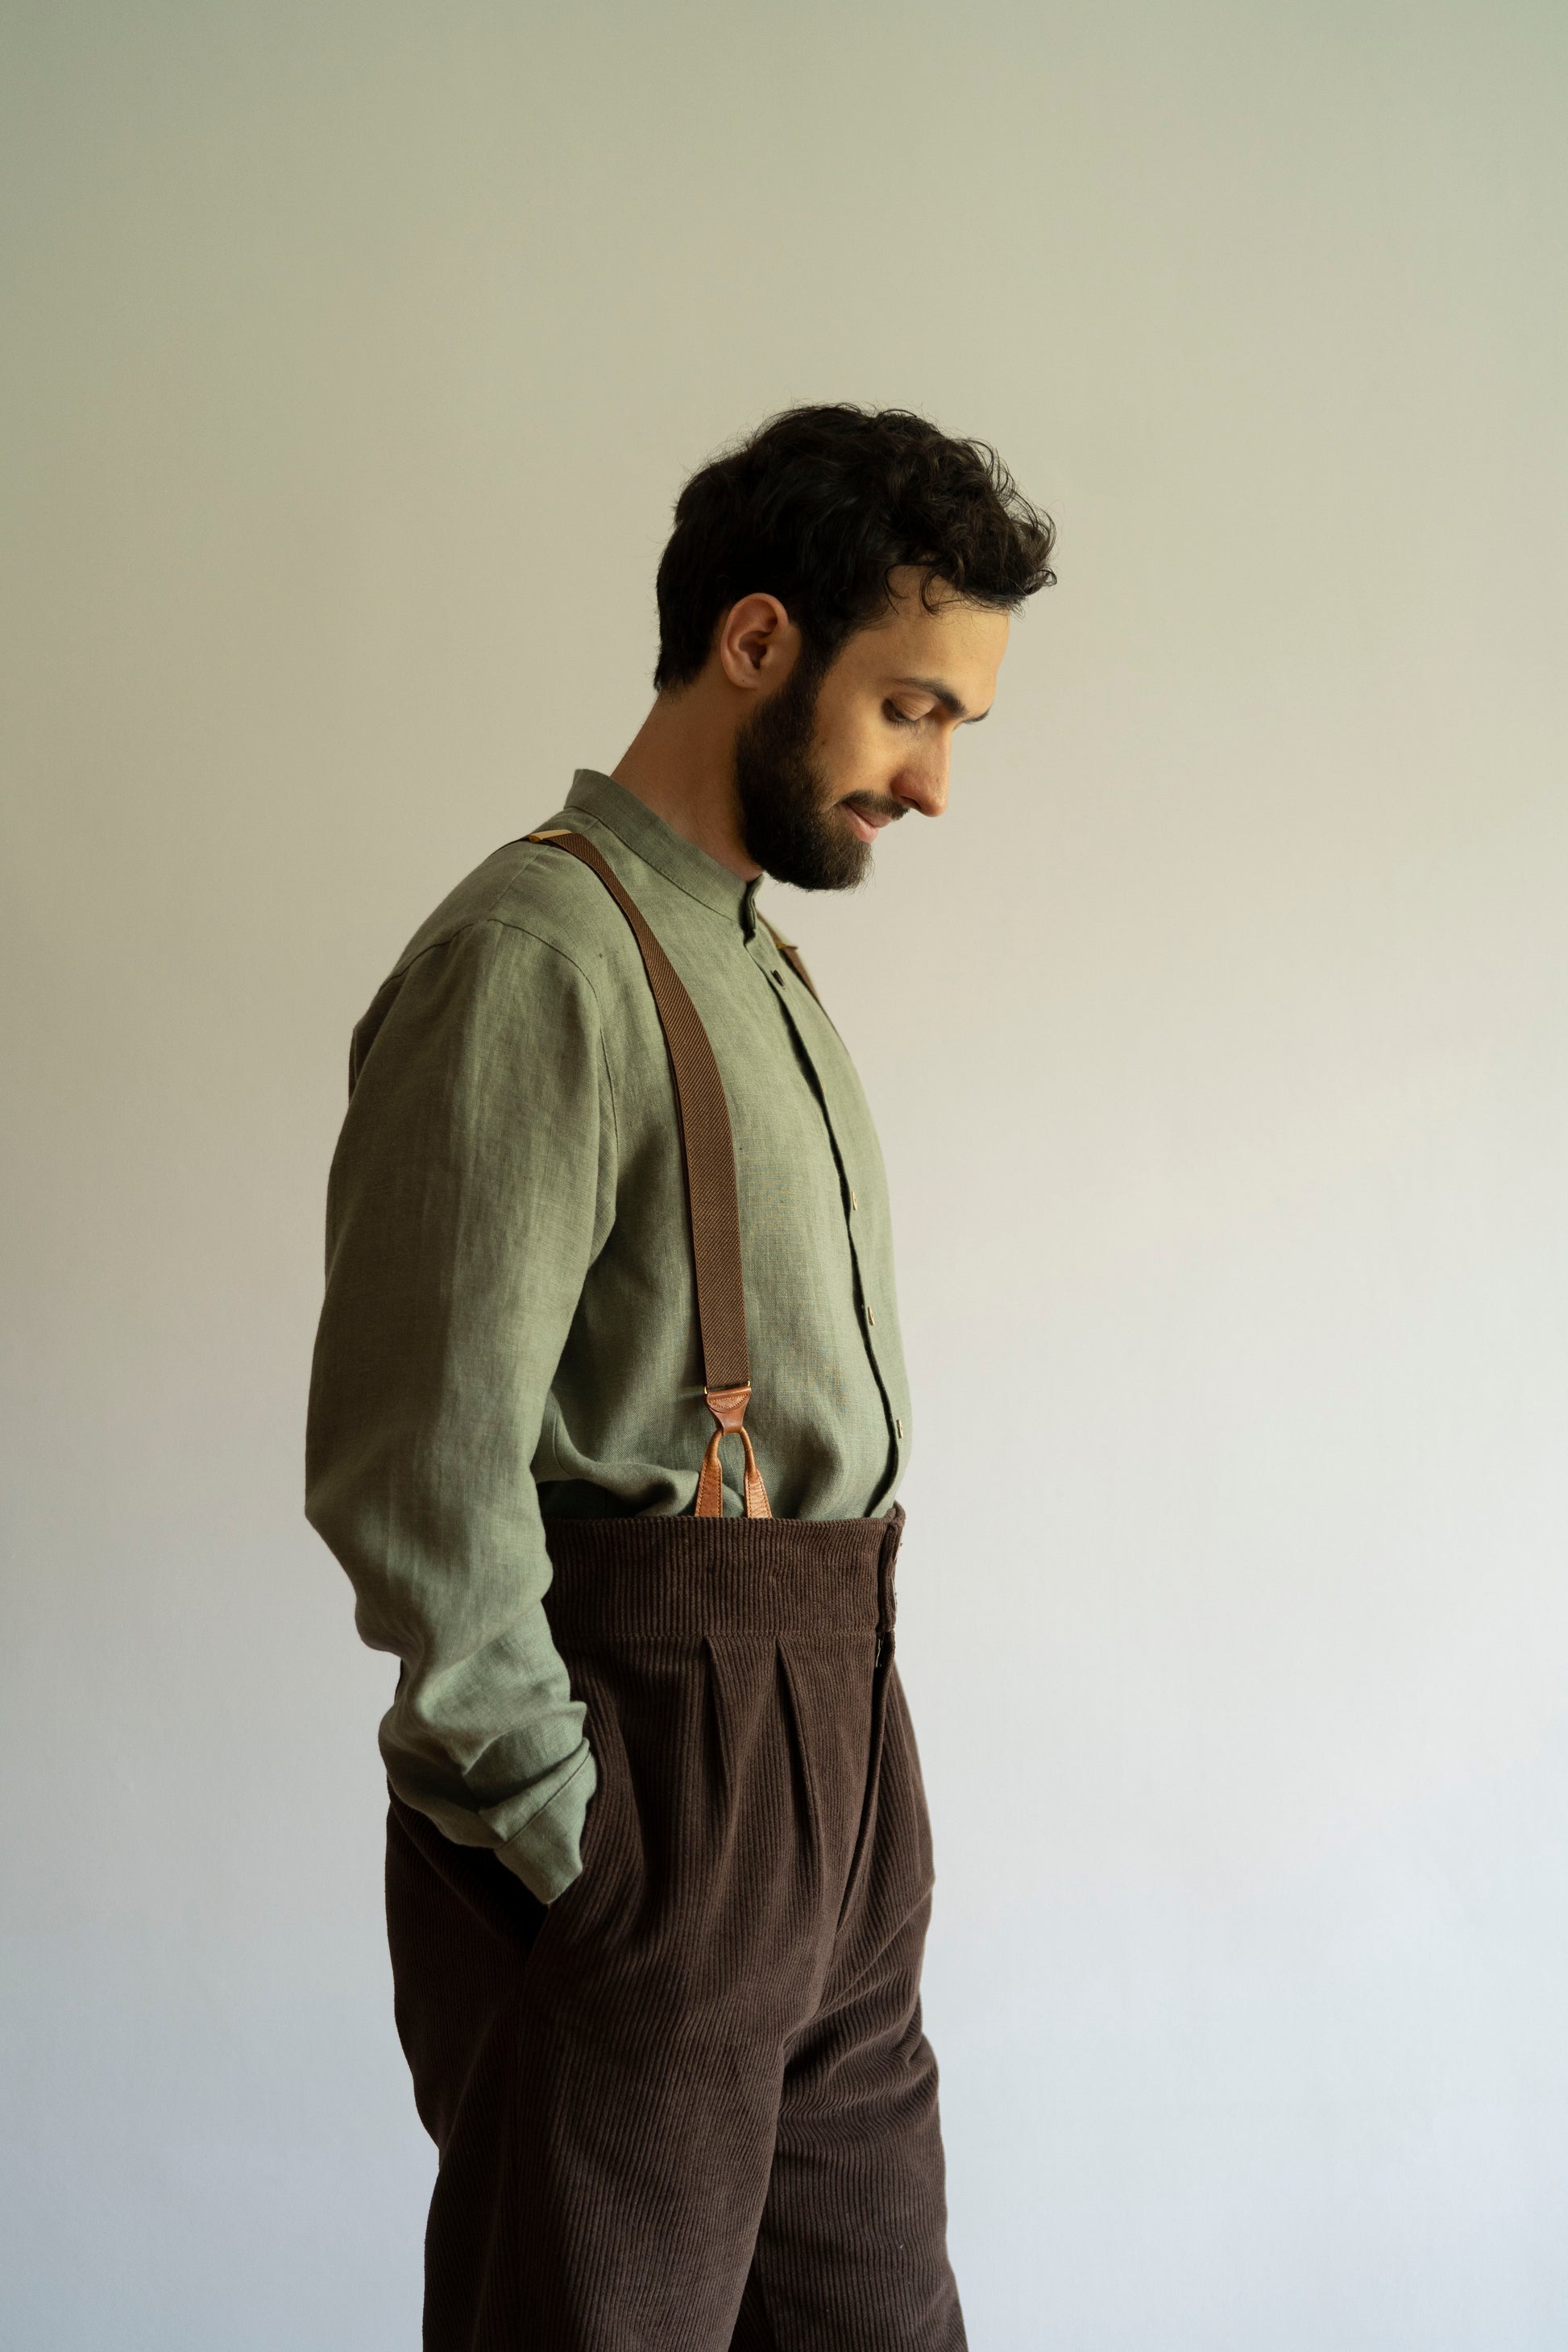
(708, 1151)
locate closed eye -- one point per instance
(899, 718)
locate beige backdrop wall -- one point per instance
(355, 354)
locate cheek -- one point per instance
(858, 751)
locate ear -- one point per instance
(757, 642)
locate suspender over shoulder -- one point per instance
(708, 1152)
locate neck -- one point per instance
(681, 762)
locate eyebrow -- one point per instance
(953, 703)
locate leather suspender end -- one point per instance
(727, 1407)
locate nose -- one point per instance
(922, 783)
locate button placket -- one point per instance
(762, 956)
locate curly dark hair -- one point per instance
(819, 507)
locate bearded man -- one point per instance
(607, 1194)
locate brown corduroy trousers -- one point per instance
(691, 2107)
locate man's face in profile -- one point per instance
(833, 754)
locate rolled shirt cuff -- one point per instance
(545, 1850)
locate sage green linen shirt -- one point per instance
(510, 1325)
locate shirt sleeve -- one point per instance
(473, 1187)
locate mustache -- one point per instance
(875, 804)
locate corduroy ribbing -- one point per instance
(691, 2106)
(678, 1578)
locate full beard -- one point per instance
(786, 806)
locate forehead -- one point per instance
(949, 638)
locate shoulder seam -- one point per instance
(526, 931)
(499, 923)
(504, 923)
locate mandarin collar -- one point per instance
(648, 836)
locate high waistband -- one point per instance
(674, 1579)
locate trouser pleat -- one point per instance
(691, 2108)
